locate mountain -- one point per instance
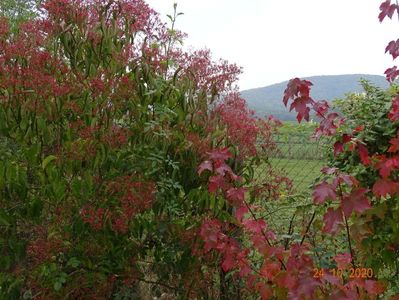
(268, 100)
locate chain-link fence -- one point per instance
(299, 157)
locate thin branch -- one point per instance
(263, 232)
(349, 241)
(289, 231)
(308, 227)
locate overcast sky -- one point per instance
(275, 40)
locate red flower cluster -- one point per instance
(243, 128)
(134, 197)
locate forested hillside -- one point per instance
(267, 100)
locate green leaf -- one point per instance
(57, 286)
(47, 160)
(4, 219)
(73, 262)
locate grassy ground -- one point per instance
(298, 155)
(302, 172)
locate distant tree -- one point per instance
(18, 11)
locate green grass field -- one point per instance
(299, 157)
(302, 172)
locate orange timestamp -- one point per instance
(339, 272)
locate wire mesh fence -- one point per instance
(299, 157)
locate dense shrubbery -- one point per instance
(104, 120)
(127, 164)
(369, 128)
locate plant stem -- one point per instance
(308, 227)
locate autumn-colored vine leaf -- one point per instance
(387, 165)
(332, 220)
(228, 263)
(358, 129)
(236, 196)
(339, 145)
(322, 192)
(343, 260)
(393, 48)
(285, 279)
(223, 168)
(270, 269)
(393, 115)
(300, 106)
(357, 201)
(321, 107)
(374, 287)
(394, 144)
(220, 155)
(255, 226)
(240, 213)
(216, 183)
(387, 10)
(338, 148)
(328, 125)
(391, 73)
(206, 165)
(384, 187)
(328, 170)
(295, 88)
(345, 178)
(264, 290)
(363, 154)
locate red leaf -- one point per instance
(393, 48)
(215, 183)
(270, 269)
(220, 155)
(332, 220)
(339, 145)
(387, 9)
(385, 166)
(345, 178)
(394, 113)
(374, 287)
(328, 171)
(264, 290)
(210, 232)
(321, 107)
(223, 168)
(286, 280)
(343, 260)
(255, 226)
(364, 155)
(394, 144)
(228, 263)
(338, 148)
(358, 128)
(240, 212)
(357, 201)
(391, 73)
(300, 106)
(206, 165)
(328, 126)
(296, 87)
(236, 196)
(384, 187)
(322, 192)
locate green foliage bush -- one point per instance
(104, 119)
